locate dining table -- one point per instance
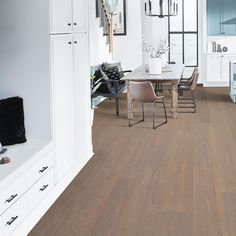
(171, 74)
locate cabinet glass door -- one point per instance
(213, 17)
(218, 13)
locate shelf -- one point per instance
(22, 157)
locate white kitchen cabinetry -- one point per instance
(218, 69)
(82, 96)
(47, 64)
(68, 16)
(214, 69)
(72, 99)
(64, 108)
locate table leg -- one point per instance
(174, 108)
(129, 113)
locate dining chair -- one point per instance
(144, 92)
(185, 86)
(188, 80)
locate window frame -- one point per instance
(183, 33)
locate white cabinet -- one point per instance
(82, 96)
(80, 15)
(63, 87)
(214, 68)
(53, 75)
(218, 69)
(72, 100)
(12, 218)
(68, 16)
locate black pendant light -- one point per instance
(172, 8)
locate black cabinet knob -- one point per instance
(75, 42)
(69, 42)
(69, 24)
(75, 23)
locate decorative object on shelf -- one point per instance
(213, 46)
(171, 8)
(156, 55)
(5, 160)
(219, 48)
(225, 49)
(2, 149)
(12, 127)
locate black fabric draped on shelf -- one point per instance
(12, 127)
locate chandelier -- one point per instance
(172, 8)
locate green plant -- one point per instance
(94, 84)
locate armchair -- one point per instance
(111, 85)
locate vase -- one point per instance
(154, 66)
(164, 60)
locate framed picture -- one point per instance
(119, 19)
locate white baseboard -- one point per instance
(38, 212)
(216, 84)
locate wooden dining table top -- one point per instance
(171, 72)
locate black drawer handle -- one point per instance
(69, 42)
(43, 188)
(75, 23)
(11, 198)
(43, 169)
(69, 24)
(11, 220)
(75, 42)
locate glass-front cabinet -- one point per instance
(221, 17)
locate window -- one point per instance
(183, 34)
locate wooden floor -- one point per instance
(178, 180)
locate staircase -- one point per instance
(99, 37)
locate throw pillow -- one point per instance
(112, 73)
(12, 127)
(107, 65)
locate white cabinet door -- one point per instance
(82, 96)
(226, 67)
(80, 15)
(63, 86)
(61, 16)
(214, 68)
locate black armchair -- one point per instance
(110, 86)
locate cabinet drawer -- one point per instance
(12, 217)
(13, 193)
(40, 169)
(37, 192)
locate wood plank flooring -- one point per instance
(178, 180)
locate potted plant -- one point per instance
(94, 85)
(157, 56)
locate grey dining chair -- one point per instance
(143, 92)
(190, 85)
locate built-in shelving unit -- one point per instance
(45, 60)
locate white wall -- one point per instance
(127, 49)
(99, 50)
(153, 29)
